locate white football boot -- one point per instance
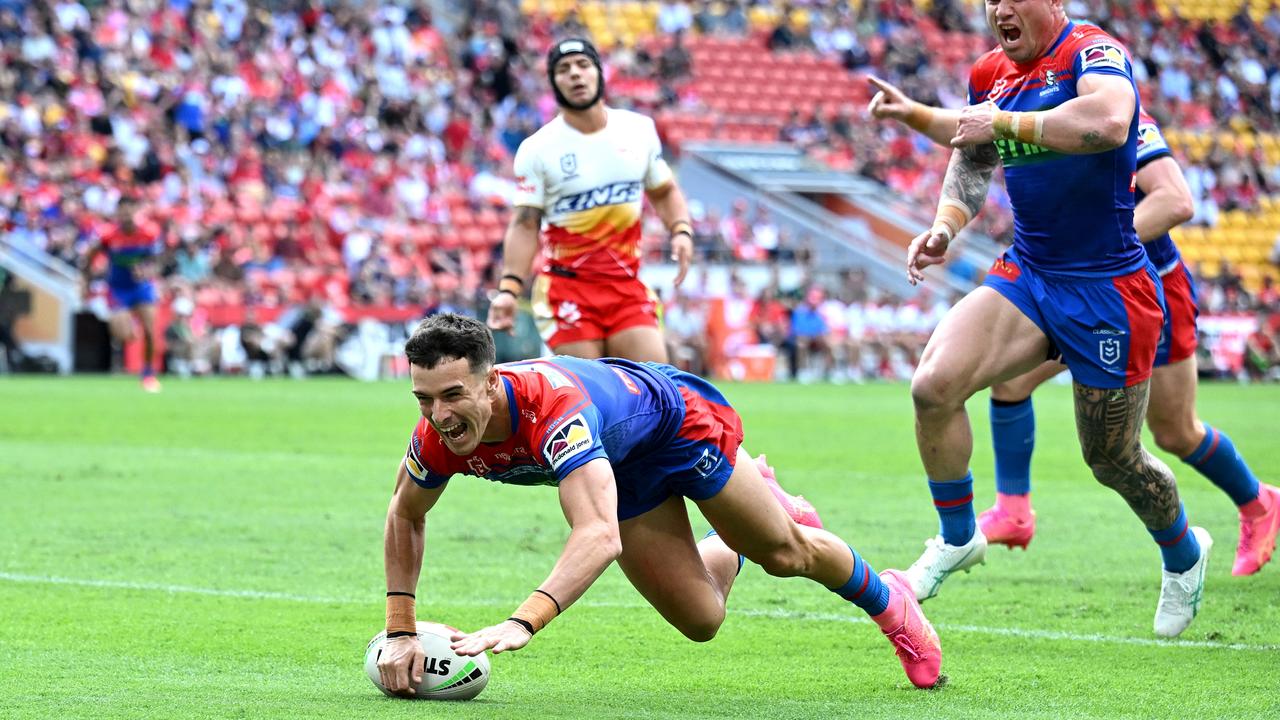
(940, 560)
(1181, 593)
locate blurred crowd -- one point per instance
(301, 153)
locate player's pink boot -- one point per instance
(914, 639)
(1002, 527)
(1258, 533)
(151, 384)
(800, 510)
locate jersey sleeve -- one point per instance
(530, 183)
(571, 435)
(1103, 55)
(415, 462)
(1151, 142)
(658, 173)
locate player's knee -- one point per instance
(933, 389)
(701, 629)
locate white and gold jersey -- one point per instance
(590, 189)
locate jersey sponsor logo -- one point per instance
(1102, 55)
(503, 457)
(1109, 350)
(569, 165)
(568, 312)
(619, 193)
(1150, 140)
(477, 465)
(631, 385)
(572, 438)
(523, 185)
(1014, 149)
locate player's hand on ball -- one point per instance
(975, 125)
(504, 636)
(928, 248)
(889, 102)
(401, 665)
(502, 312)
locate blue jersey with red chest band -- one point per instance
(1152, 146)
(1073, 214)
(564, 412)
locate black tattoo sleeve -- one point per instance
(1109, 423)
(969, 175)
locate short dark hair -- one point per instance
(449, 336)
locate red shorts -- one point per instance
(574, 309)
(1178, 341)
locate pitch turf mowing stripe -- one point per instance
(743, 612)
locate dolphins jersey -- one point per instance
(1073, 214)
(590, 189)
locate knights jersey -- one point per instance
(126, 250)
(1151, 146)
(1073, 214)
(590, 189)
(565, 411)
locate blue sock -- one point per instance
(1178, 547)
(741, 558)
(1013, 435)
(954, 503)
(864, 589)
(1218, 460)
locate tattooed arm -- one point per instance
(964, 190)
(519, 246)
(1095, 121)
(1109, 423)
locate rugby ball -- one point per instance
(445, 674)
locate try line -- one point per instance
(744, 612)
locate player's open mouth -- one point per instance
(455, 432)
(1009, 33)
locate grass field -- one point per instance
(215, 551)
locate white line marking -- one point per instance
(743, 612)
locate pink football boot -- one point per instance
(914, 640)
(1258, 533)
(800, 510)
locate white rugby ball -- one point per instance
(445, 674)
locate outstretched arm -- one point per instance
(402, 556)
(938, 124)
(589, 500)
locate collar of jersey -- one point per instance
(511, 403)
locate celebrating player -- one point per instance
(624, 443)
(131, 245)
(586, 174)
(1164, 202)
(1057, 105)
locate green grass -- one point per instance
(215, 551)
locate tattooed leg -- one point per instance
(1109, 423)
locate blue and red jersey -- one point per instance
(126, 250)
(1152, 146)
(565, 412)
(1073, 214)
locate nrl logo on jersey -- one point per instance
(569, 165)
(619, 193)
